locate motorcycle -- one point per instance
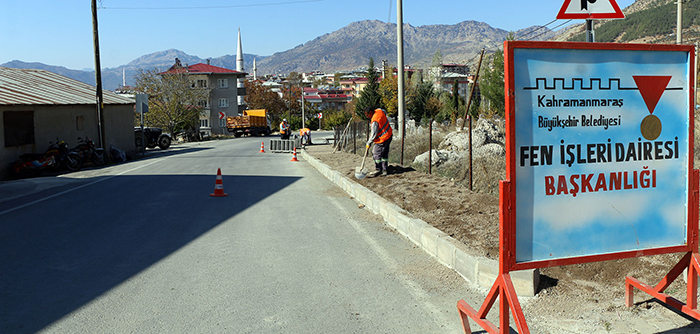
(32, 164)
(90, 152)
(65, 158)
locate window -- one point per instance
(203, 123)
(80, 123)
(223, 83)
(222, 123)
(203, 103)
(223, 103)
(19, 128)
(202, 83)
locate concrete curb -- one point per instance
(447, 250)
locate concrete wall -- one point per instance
(51, 122)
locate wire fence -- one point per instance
(351, 137)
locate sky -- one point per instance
(60, 32)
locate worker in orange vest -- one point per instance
(305, 135)
(381, 137)
(284, 129)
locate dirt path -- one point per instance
(585, 298)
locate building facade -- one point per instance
(224, 94)
(38, 107)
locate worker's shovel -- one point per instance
(361, 172)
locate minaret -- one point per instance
(255, 70)
(239, 68)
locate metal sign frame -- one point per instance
(503, 287)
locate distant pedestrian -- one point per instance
(381, 137)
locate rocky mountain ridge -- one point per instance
(347, 48)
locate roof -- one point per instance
(200, 68)
(40, 87)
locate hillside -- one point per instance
(344, 49)
(650, 25)
(352, 46)
(114, 77)
(646, 21)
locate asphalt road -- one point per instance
(141, 247)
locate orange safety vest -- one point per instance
(283, 127)
(304, 131)
(384, 128)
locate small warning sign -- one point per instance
(590, 9)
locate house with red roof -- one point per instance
(223, 94)
(327, 98)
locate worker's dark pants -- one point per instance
(380, 153)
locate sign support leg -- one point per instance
(503, 288)
(690, 261)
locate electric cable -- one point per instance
(533, 31)
(213, 7)
(551, 29)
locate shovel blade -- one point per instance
(360, 173)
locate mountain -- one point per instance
(352, 46)
(112, 78)
(345, 49)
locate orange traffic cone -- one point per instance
(262, 147)
(219, 186)
(294, 155)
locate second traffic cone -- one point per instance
(219, 186)
(262, 147)
(294, 155)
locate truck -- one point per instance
(252, 123)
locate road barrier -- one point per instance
(284, 145)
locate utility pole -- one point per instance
(399, 72)
(590, 34)
(679, 25)
(98, 76)
(303, 124)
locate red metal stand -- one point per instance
(503, 287)
(690, 261)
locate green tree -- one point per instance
(260, 97)
(174, 102)
(475, 106)
(369, 97)
(417, 101)
(493, 85)
(389, 90)
(454, 101)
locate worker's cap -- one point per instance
(284, 120)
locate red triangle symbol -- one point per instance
(651, 87)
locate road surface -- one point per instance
(142, 247)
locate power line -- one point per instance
(533, 31)
(215, 7)
(552, 29)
